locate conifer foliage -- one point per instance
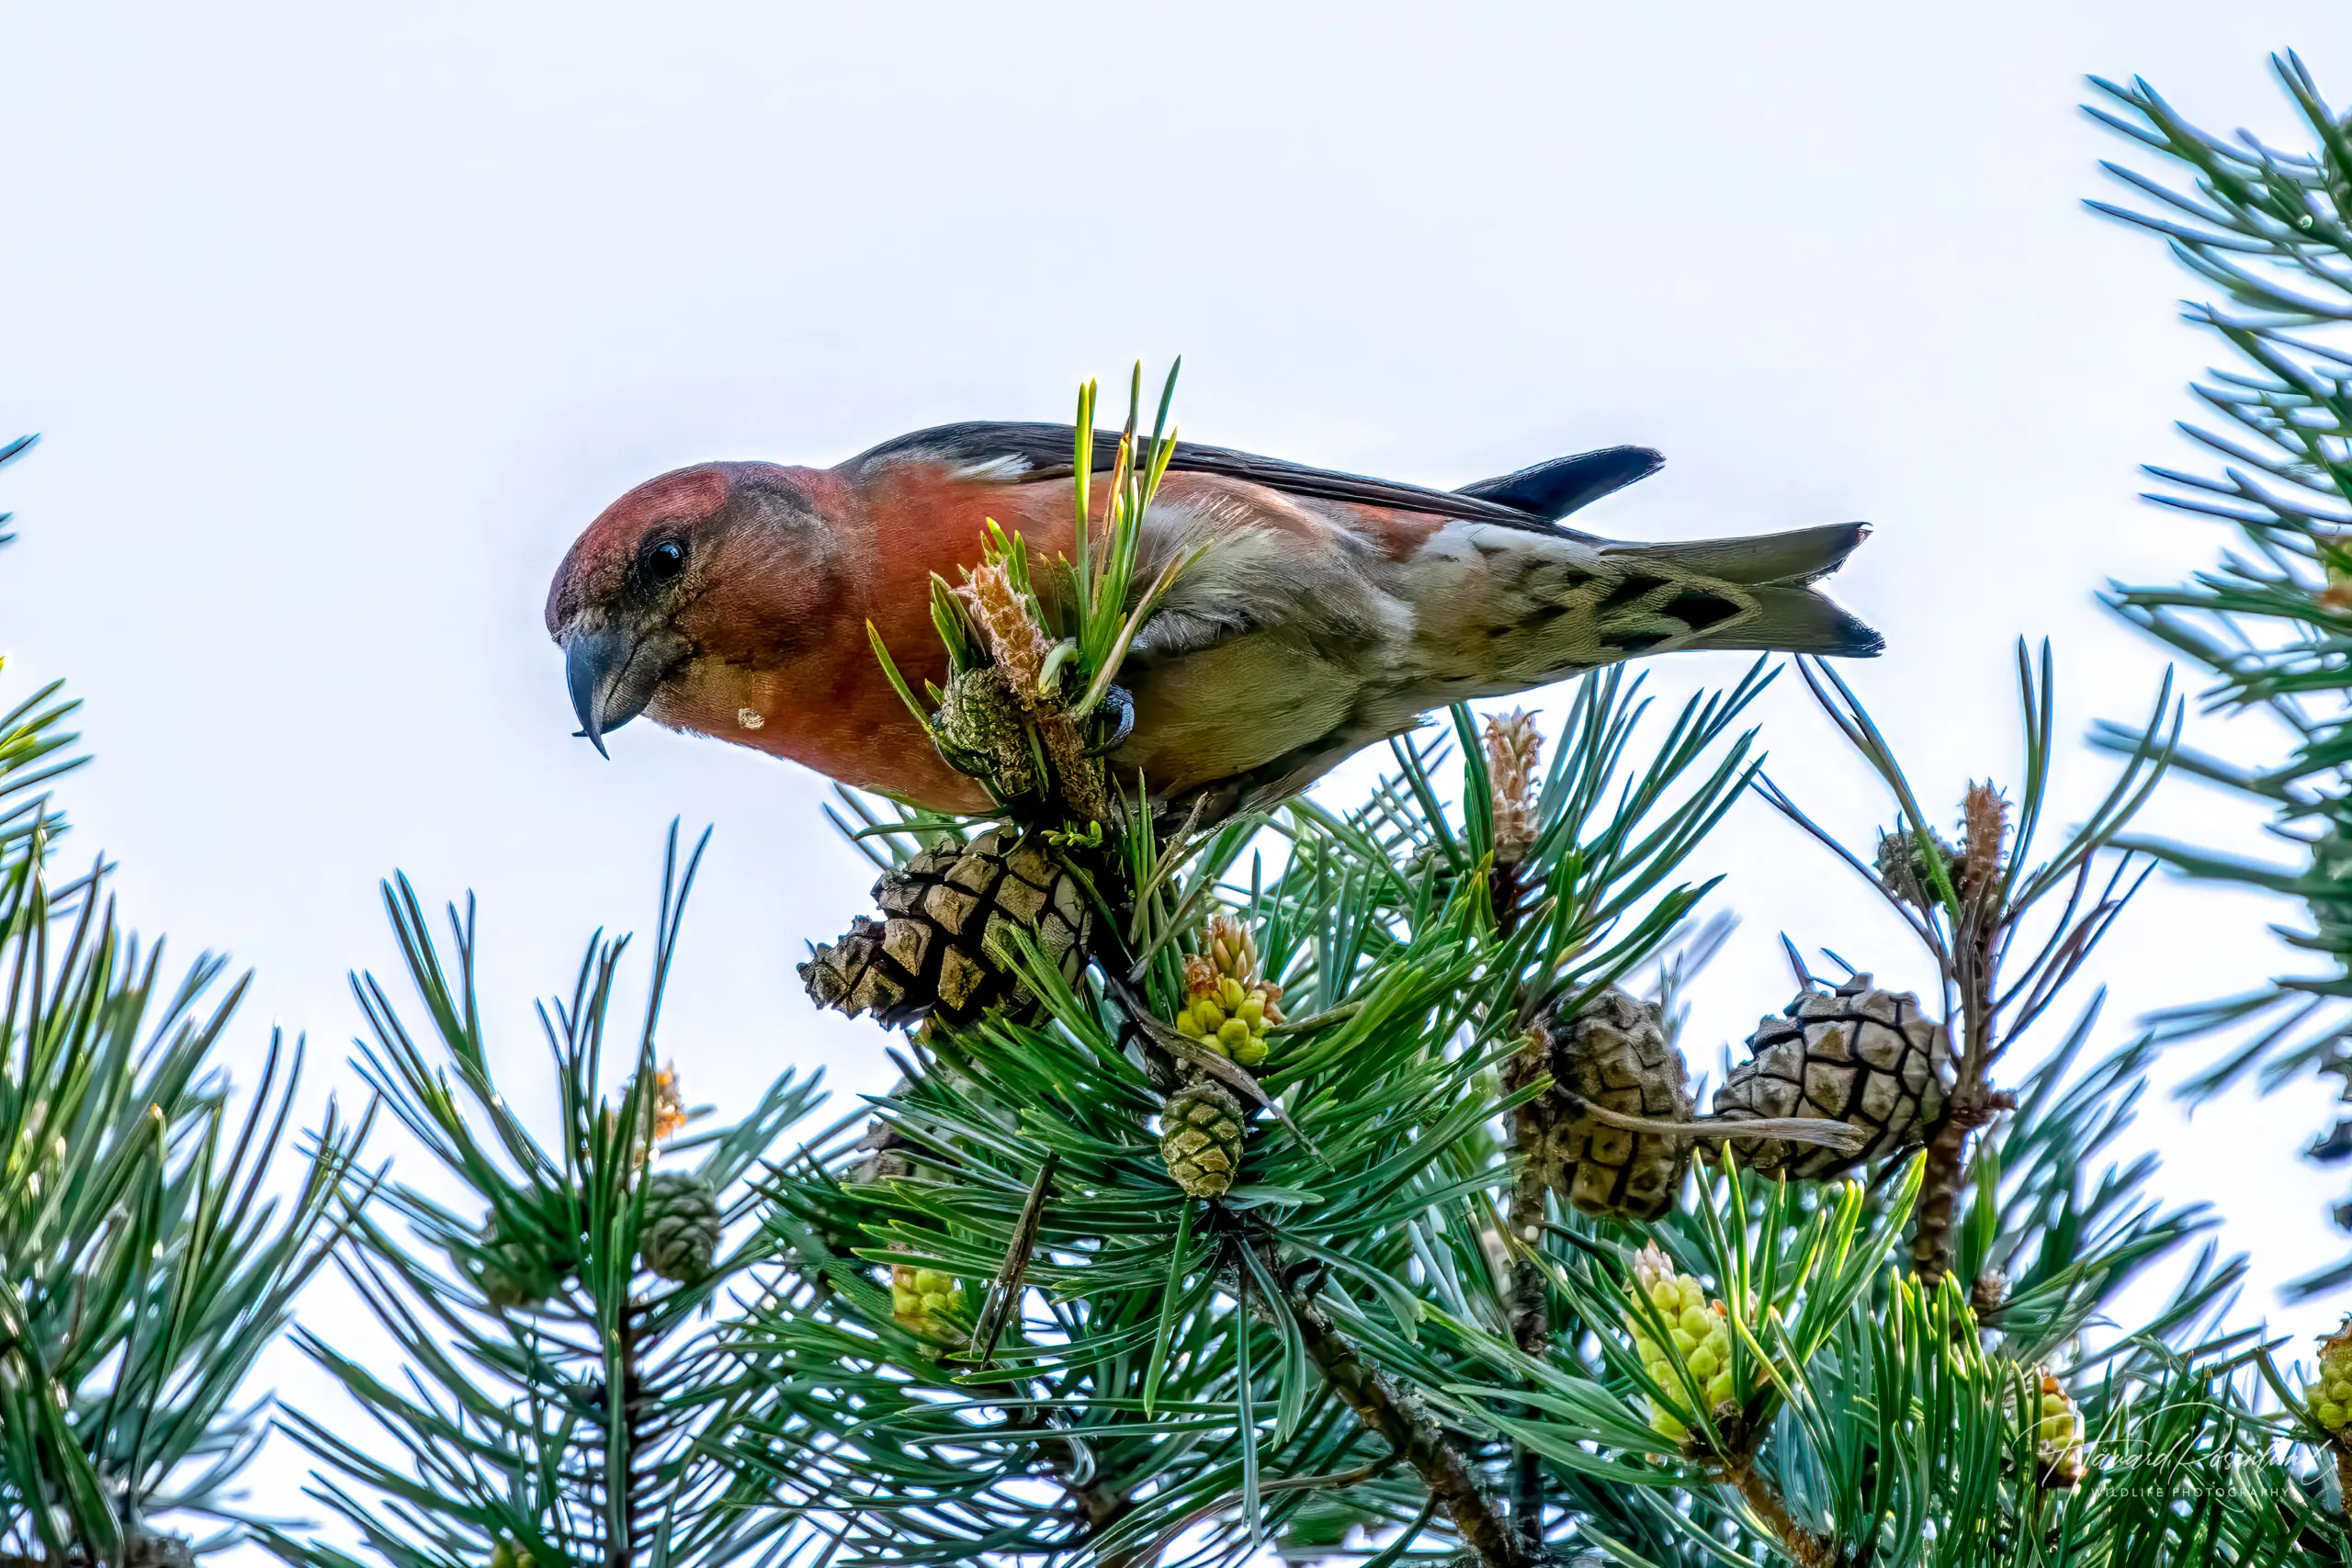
(144, 1264)
(1332, 1182)
(2269, 232)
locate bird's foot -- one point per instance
(1122, 708)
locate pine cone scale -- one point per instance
(1202, 1127)
(1857, 1055)
(1611, 1054)
(946, 945)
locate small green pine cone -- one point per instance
(678, 1235)
(981, 731)
(1200, 1137)
(2332, 1400)
(1698, 1339)
(928, 1303)
(516, 1271)
(1904, 865)
(156, 1548)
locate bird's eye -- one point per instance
(665, 560)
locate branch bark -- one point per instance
(1413, 1434)
(1974, 974)
(1939, 1187)
(1808, 1549)
(1530, 1305)
(625, 1415)
(1530, 1328)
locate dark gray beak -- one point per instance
(598, 665)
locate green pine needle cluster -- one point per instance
(561, 1367)
(145, 1265)
(2269, 232)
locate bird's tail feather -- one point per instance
(1797, 620)
(1790, 560)
(1753, 593)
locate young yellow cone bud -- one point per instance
(1514, 756)
(2058, 1435)
(1228, 1004)
(1983, 839)
(1014, 639)
(669, 1105)
(2332, 1400)
(1697, 1335)
(1653, 1268)
(927, 1302)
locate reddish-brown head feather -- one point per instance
(595, 570)
(763, 630)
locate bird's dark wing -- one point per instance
(1030, 452)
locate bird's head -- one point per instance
(723, 566)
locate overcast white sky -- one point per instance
(338, 325)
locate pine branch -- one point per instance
(1946, 1173)
(559, 1393)
(2270, 230)
(1531, 1312)
(1810, 1549)
(1982, 912)
(1413, 1434)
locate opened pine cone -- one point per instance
(1613, 1054)
(1201, 1131)
(941, 951)
(1856, 1055)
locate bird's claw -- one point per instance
(1123, 720)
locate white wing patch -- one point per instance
(1000, 469)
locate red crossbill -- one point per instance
(1328, 611)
